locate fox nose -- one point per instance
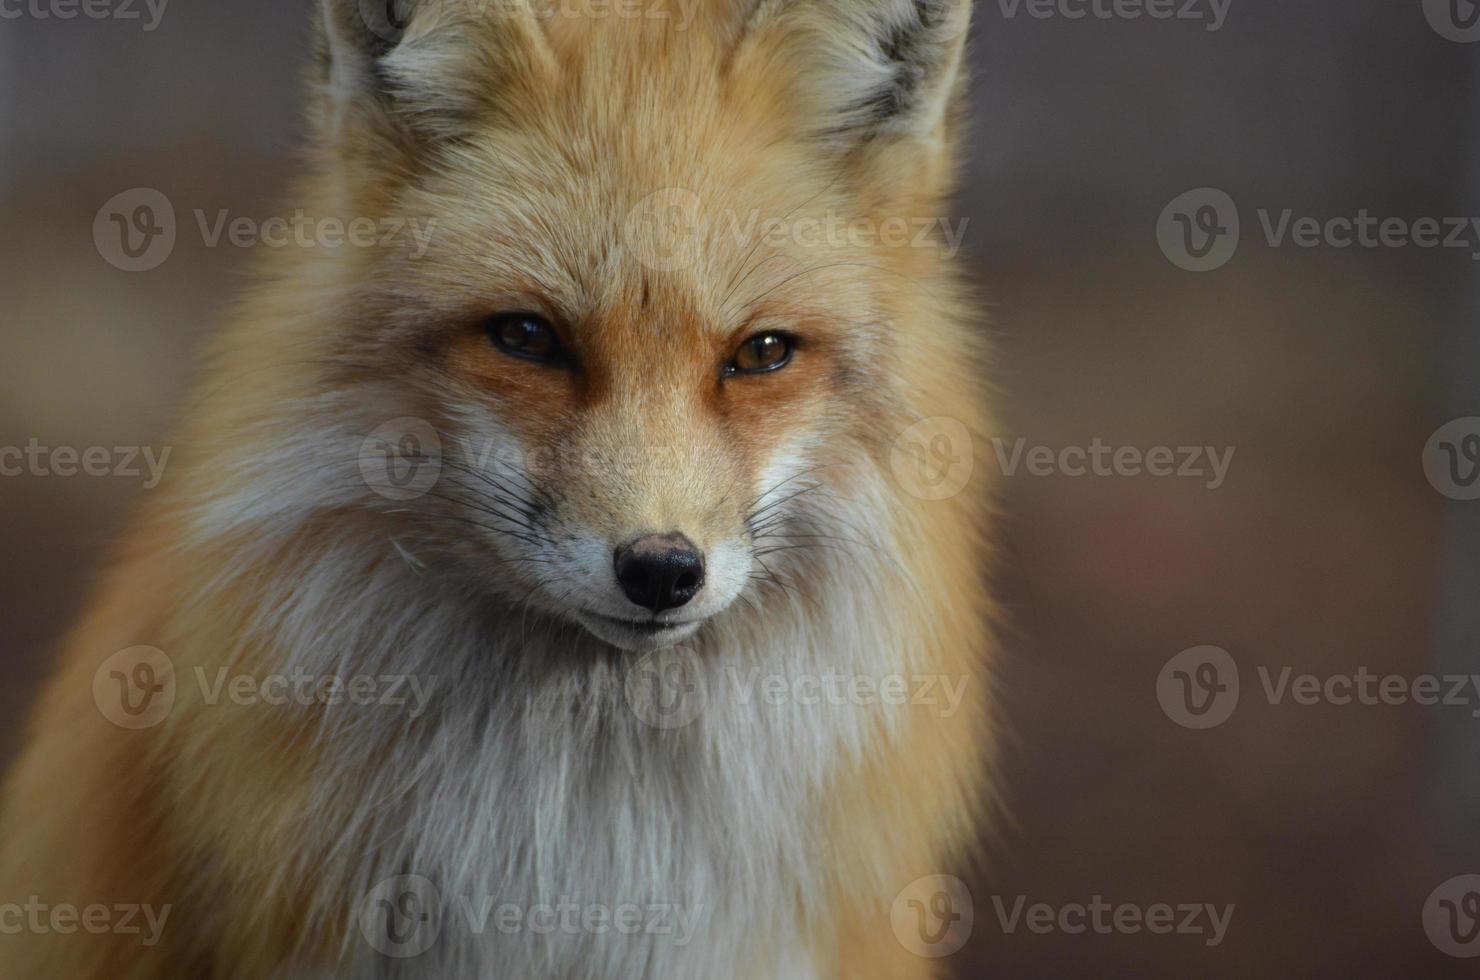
(660, 571)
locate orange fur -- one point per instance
(572, 125)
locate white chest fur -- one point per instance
(572, 815)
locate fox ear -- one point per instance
(867, 68)
(354, 38)
(419, 67)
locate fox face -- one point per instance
(680, 275)
(635, 422)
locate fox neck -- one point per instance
(541, 767)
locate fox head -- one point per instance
(660, 283)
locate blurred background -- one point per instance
(1326, 370)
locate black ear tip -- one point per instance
(911, 51)
(373, 27)
(385, 21)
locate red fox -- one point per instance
(595, 588)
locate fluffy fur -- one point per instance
(785, 828)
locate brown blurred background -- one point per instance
(1326, 370)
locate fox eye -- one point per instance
(763, 353)
(525, 335)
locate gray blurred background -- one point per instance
(1326, 369)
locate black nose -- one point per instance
(660, 571)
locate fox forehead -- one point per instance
(641, 170)
(646, 241)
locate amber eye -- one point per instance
(526, 335)
(762, 353)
